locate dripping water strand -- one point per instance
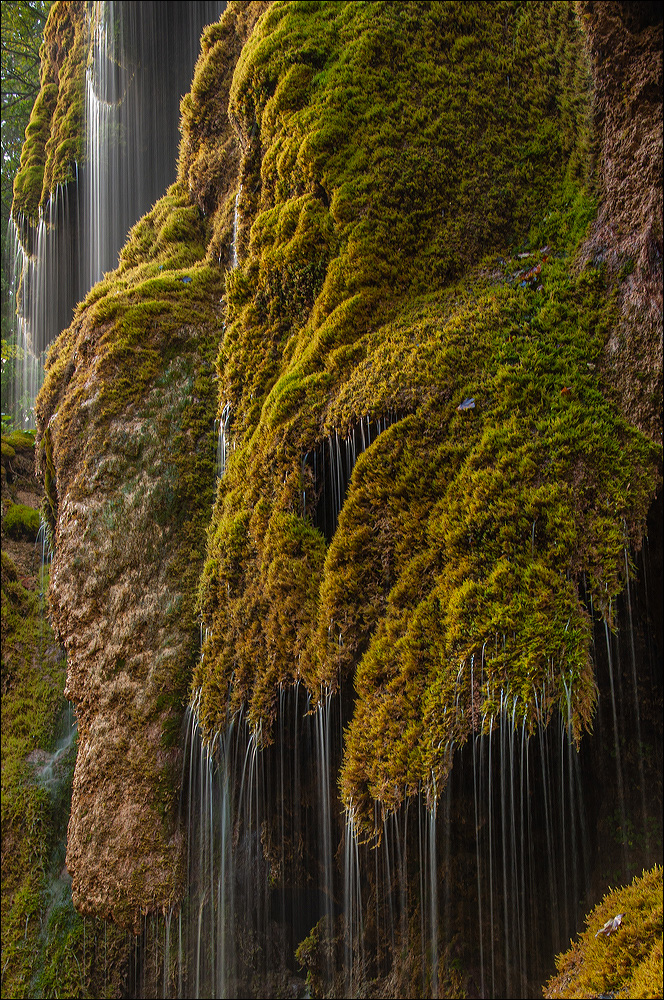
(635, 691)
(236, 219)
(616, 741)
(326, 469)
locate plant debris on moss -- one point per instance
(626, 963)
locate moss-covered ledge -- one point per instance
(627, 961)
(403, 254)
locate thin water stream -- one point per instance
(482, 882)
(141, 62)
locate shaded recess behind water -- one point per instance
(480, 892)
(327, 470)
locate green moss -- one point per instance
(398, 254)
(314, 954)
(209, 152)
(50, 487)
(626, 963)
(37, 950)
(170, 236)
(20, 440)
(53, 138)
(21, 521)
(71, 961)
(66, 32)
(47, 947)
(30, 178)
(161, 291)
(514, 509)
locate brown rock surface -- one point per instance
(625, 42)
(134, 481)
(127, 450)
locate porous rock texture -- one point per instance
(122, 609)
(625, 45)
(127, 452)
(394, 161)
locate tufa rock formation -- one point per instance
(414, 185)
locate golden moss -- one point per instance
(400, 253)
(626, 963)
(209, 155)
(411, 182)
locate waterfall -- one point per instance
(46, 284)
(482, 882)
(262, 834)
(223, 421)
(142, 57)
(353, 912)
(236, 218)
(492, 873)
(327, 469)
(222, 424)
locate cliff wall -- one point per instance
(412, 184)
(127, 454)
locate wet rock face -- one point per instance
(640, 15)
(122, 610)
(127, 451)
(625, 42)
(126, 448)
(115, 599)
